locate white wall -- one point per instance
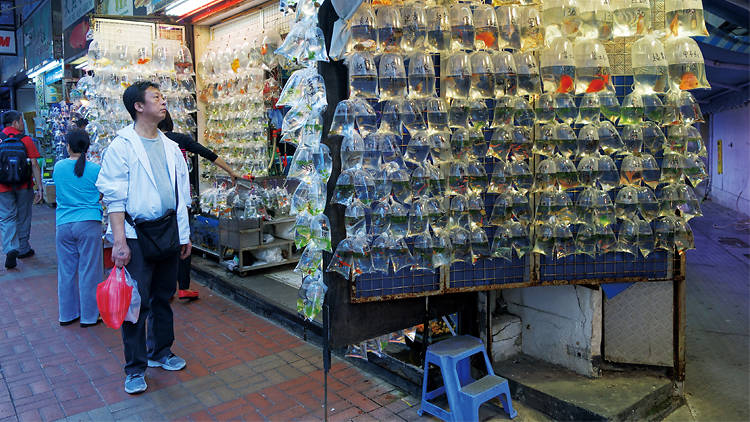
(733, 128)
(560, 324)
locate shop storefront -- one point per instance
(239, 81)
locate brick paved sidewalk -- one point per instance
(240, 366)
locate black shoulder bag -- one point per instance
(159, 238)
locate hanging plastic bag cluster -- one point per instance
(594, 185)
(305, 95)
(237, 92)
(116, 66)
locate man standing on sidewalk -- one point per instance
(144, 181)
(16, 200)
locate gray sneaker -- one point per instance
(135, 384)
(170, 363)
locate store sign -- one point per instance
(8, 43)
(7, 13)
(53, 76)
(75, 38)
(118, 7)
(73, 10)
(37, 36)
(52, 94)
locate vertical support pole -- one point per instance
(679, 322)
(326, 357)
(489, 298)
(426, 329)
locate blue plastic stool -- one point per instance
(465, 395)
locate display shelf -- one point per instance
(244, 254)
(244, 270)
(214, 253)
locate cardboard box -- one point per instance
(49, 193)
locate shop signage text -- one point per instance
(74, 9)
(8, 43)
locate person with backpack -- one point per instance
(18, 164)
(78, 237)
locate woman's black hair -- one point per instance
(82, 123)
(78, 141)
(166, 125)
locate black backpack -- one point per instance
(15, 166)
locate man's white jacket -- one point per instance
(127, 183)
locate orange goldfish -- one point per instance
(674, 25)
(688, 81)
(640, 25)
(487, 37)
(235, 65)
(143, 61)
(566, 84)
(598, 84)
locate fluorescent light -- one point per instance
(47, 67)
(186, 6)
(79, 60)
(82, 65)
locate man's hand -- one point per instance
(38, 196)
(121, 253)
(234, 175)
(185, 250)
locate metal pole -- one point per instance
(326, 358)
(426, 327)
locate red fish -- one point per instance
(675, 24)
(688, 81)
(566, 84)
(640, 25)
(487, 37)
(598, 84)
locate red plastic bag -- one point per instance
(113, 297)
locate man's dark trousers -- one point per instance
(156, 285)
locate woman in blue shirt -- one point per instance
(79, 233)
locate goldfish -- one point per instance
(143, 61)
(566, 84)
(487, 38)
(640, 25)
(264, 49)
(598, 84)
(688, 81)
(674, 25)
(235, 65)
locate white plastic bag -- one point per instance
(135, 302)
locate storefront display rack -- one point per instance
(245, 241)
(227, 237)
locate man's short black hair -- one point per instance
(10, 116)
(136, 93)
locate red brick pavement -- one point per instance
(240, 366)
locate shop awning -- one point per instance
(727, 54)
